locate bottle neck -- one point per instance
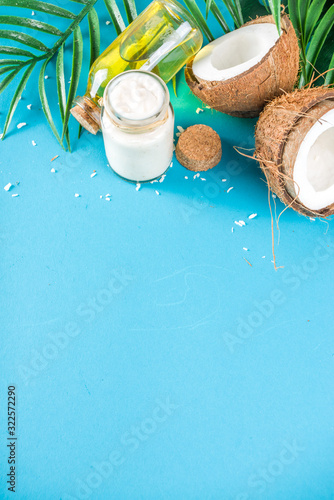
(88, 113)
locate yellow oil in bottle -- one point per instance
(139, 44)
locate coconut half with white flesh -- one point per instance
(241, 71)
(295, 147)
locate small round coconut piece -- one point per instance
(199, 148)
(246, 68)
(295, 148)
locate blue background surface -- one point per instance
(150, 360)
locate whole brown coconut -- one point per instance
(280, 131)
(246, 94)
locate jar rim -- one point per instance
(125, 122)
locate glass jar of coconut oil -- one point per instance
(162, 39)
(137, 124)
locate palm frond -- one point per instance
(313, 21)
(19, 58)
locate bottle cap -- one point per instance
(87, 113)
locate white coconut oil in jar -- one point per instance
(137, 125)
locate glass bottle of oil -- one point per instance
(162, 39)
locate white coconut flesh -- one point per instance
(314, 165)
(234, 53)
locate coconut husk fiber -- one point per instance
(279, 133)
(246, 94)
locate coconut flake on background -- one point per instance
(20, 125)
(230, 189)
(252, 216)
(7, 186)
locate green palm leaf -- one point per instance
(48, 8)
(219, 16)
(15, 51)
(8, 79)
(130, 9)
(313, 15)
(61, 90)
(13, 62)
(6, 69)
(15, 65)
(17, 36)
(75, 75)
(115, 15)
(16, 97)
(94, 35)
(30, 23)
(193, 8)
(317, 42)
(275, 7)
(44, 101)
(330, 75)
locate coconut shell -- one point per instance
(279, 133)
(246, 94)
